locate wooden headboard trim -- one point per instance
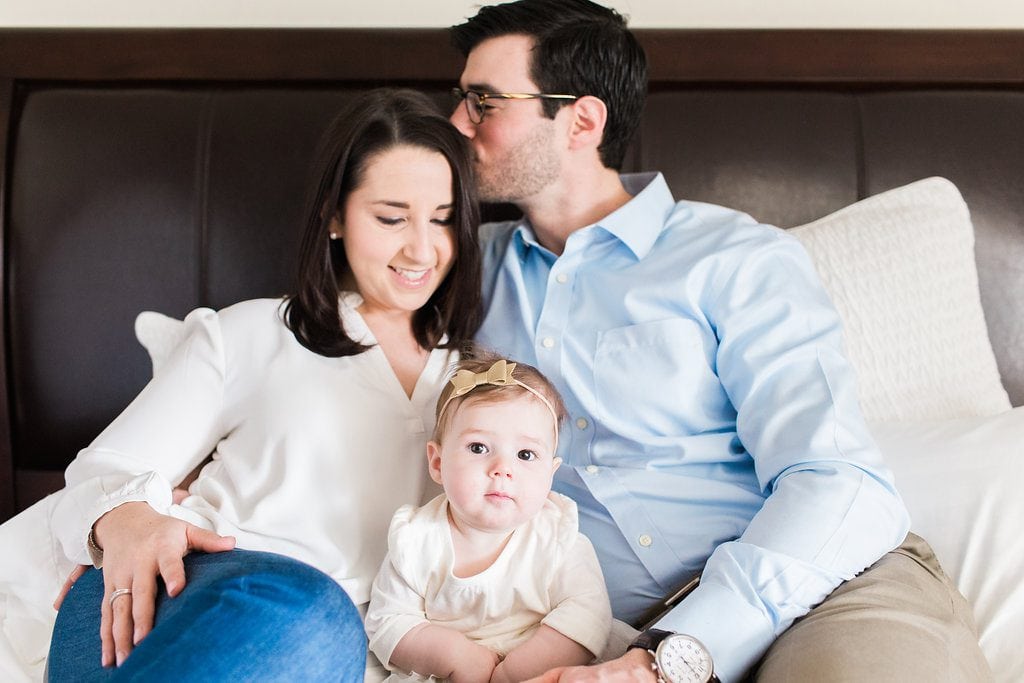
(974, 57)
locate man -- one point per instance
(715, 429)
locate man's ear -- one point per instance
(434, 460)
(590, 114)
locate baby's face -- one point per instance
(496, 462)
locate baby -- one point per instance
(491, 580)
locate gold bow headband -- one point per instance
(499, 375)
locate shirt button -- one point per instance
(592, 469)
(561, 278)
(582, 422)
(548, 343)
(645, 540)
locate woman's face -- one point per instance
(397, 229)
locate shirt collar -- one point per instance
(639, 222)
(525, 240)
(631, 223)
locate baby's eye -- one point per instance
(477, 448)
(526, 455)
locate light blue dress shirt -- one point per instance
(713, 421)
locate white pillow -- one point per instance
(158, 334)
(900, 269)
(961, 481)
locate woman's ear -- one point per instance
(555, 462)
(434, 460)
(590, 114)
(335, 229)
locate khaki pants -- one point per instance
(902, 619)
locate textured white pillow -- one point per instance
(961, 482)
(158, 334)
(900, 269)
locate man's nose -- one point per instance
(460, 119)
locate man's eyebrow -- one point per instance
(481, 87)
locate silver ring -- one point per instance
(118, 592)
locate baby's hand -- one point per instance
(476, 664)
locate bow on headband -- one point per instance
(500, 375)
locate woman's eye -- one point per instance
(526, 455)
(445, 221)
(477, 448)
(389, 221)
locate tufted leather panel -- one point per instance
(103, 224)
(785, 157)
(126, 201)
(260, 152)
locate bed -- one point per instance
(162, 170)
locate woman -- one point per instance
(316, 410)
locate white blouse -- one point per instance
(311, 455)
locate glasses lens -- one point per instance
(474, 106)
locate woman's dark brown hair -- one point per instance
(373, 123)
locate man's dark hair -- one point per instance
(580, 48)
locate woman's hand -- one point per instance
(75, 574)
(138, 545)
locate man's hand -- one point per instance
(139, 544)
(636, 666)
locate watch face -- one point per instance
(683, 659)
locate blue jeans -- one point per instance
(242, 616)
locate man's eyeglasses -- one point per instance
(476, 102)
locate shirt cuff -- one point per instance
(734, 632)
(81, 506)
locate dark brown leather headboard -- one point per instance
(163, 169)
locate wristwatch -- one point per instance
(678, 658)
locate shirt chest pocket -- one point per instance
(655, 379)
